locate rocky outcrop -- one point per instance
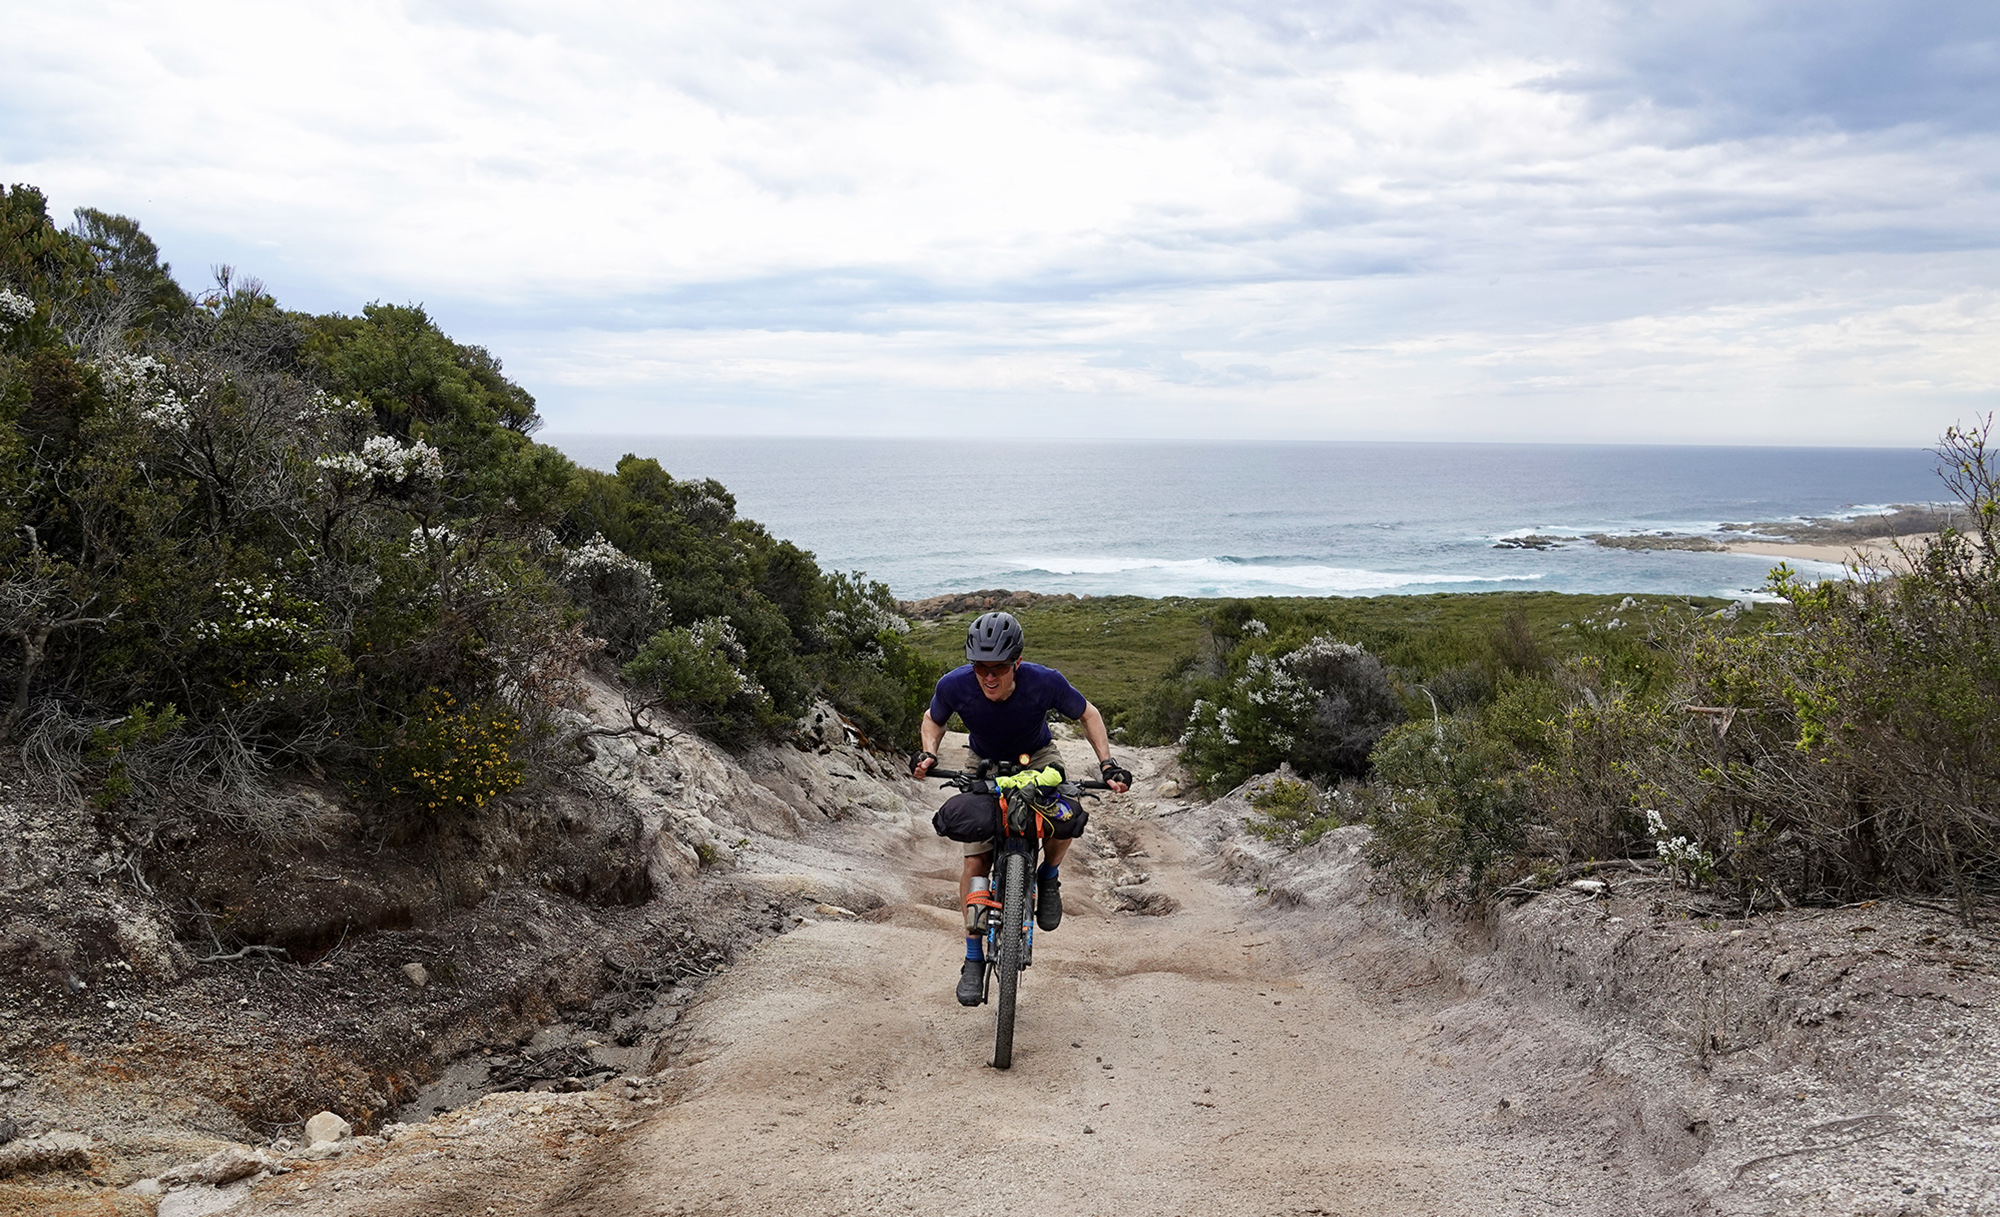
(934, 607)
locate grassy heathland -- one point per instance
(1116, 648)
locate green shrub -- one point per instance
(700, 672)
(1293, 812)
(1449, 811)
(1320, 708)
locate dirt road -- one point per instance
(1164, 1064)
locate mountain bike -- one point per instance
(1028, 802)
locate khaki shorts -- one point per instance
(1043, 757)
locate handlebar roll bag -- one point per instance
(968, 817)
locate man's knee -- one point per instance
(978, 864)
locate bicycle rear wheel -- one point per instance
(1013, 918)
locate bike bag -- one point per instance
(968, 817)
(1067, 826)
(976, 817)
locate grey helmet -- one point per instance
(993, 638)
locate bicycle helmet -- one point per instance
(993, 638)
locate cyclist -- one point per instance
(1005, 704)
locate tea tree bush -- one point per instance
(1320, 708)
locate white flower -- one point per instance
(422, 540)
(147, 383)
(14, 310)
(383, 457)
(598, 556)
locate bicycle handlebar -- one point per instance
(954, 775)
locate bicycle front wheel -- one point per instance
(1013, 923)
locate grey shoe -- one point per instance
(972, 983)
(1048, 903)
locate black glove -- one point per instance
(919, 759)
(1114, 772)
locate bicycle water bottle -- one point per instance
(975, 914)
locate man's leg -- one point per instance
(972, 974)
(1048, 884)
(976, 866)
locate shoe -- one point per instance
(972, 983)
(1048, 903)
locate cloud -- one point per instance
(1187, 218)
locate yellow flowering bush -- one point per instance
(453, 758)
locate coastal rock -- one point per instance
(326, 1127)
(977, 602)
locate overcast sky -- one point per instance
(1749, 222)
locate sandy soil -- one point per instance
(1164, 1064)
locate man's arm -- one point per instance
(1100, 740)
(931, 733)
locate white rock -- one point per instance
(418, 974)
(1170, 789)
(224, 1166)
(1591, 887)
(833, 910)
(327, 1127)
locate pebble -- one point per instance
(417, 974)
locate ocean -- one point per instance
(1296, 519)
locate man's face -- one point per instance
(996, 680)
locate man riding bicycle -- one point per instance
(1005, 705)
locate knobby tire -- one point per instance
(1013, 916)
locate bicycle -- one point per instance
(1027, 802)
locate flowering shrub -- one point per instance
(147, 383)
(382, 456)
(1319, 708)
(14, 310)
(1682, 856)
(259, 639)
(453, 759)
(617, 593)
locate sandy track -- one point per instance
(1163, 1065)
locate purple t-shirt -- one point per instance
(1003, 730)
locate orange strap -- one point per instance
(983, 898)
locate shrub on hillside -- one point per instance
(701, 672)
(1320, 708)
(299, 532)
(1448, 810)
